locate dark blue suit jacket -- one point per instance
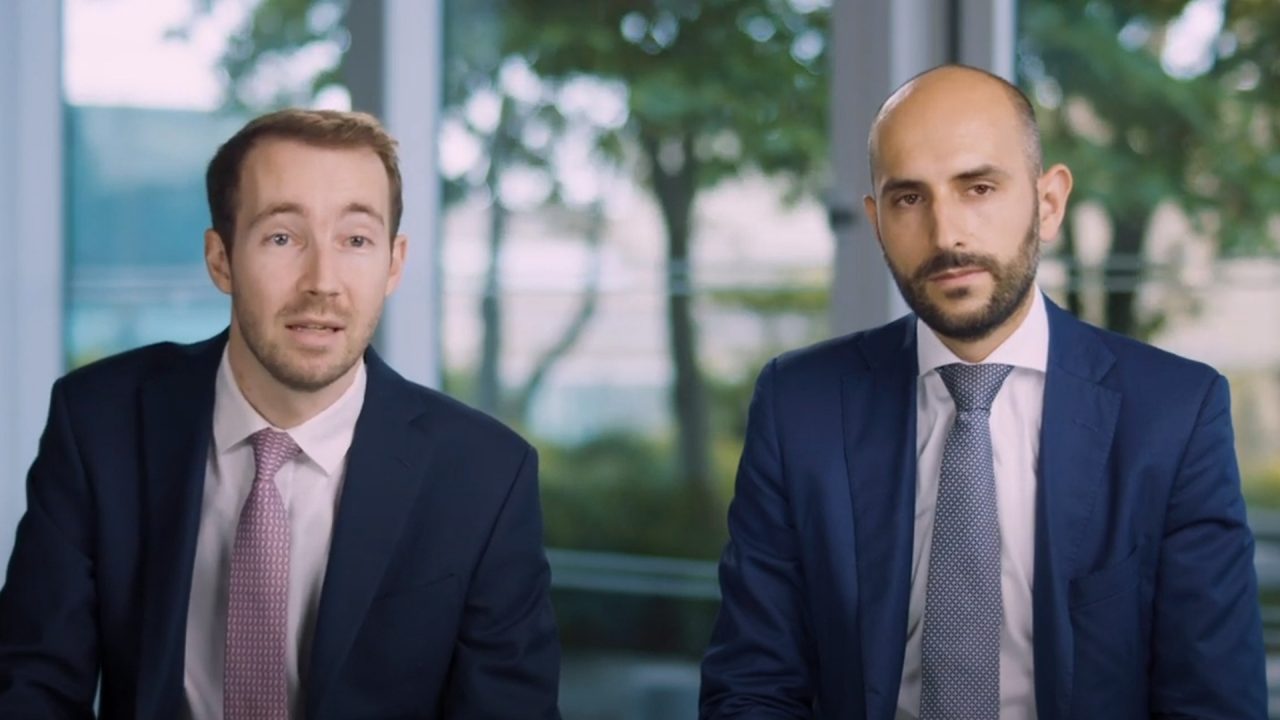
(435, 600)
(1144, 601)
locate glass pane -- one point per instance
(1166, 113)
(631, 231)
(137, 145)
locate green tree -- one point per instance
(1136, 135)
(714, 88)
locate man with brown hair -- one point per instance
(273, 523)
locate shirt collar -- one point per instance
(1027, 347)
(324, 438)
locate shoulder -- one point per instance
(1156, 386)
(855, 352)
(1139, 366)
(122, 374)
(442, 416)
(470, 422)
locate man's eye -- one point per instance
(909, 199)
(358, 241)
(278, 239)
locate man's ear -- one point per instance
(217, 260)
(869, 207)
(399, 249)
(1053, 188)
(873, 216)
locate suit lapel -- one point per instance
(1077, 424)
(385, 471)
(879, 407)
(177, 421)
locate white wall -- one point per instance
(31, 239)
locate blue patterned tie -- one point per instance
(963, 611)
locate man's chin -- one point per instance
(968, 330)
(964, 321)
(310, 377)
(962, 307)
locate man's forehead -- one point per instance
(948, 140)
(286, 178)
(961, 141)
(948, 108)
(276, 161)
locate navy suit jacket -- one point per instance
(435, 601)
(1144, 594)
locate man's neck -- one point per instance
(282, 406)
(975, 351)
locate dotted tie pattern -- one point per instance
(960, 654)
(255, 685)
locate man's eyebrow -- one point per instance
(982, 171)
(292, 208)
(284, 208)
(359, 208)
(899, 184)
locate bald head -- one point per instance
(955, 92)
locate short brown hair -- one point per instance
(322, 128)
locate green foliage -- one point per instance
(1137, 162)
(797, 299)
(745, 79)
(1262, 488)
(618, 493)
(1136, 136)
(1138, 132)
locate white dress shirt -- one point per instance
(309, 486)
(1015, 442)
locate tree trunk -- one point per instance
(675, 187)
(573, 331)
(489, 377)
(1123, 273)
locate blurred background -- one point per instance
(618, 211)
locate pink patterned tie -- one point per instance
(255, 686)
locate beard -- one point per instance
(291, 368)
(1012, 281)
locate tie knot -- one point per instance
(271, 450)
(974, 387)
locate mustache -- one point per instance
(314, 306)
(951, 260)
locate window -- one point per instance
(631, 230)
(138, 142)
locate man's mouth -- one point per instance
(956, 273)
(316, 326)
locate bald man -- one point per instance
(987, 508)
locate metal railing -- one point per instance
(633, 574)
